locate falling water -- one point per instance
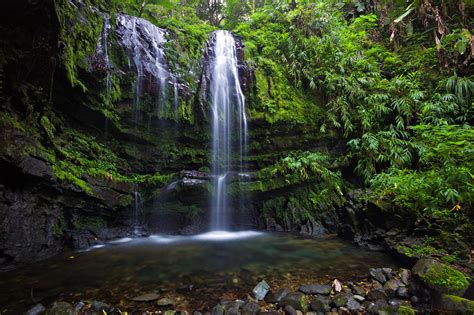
(145, 43)
(228, 114)
(138, 224)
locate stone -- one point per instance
(79, 306)
(296, 299)
(36, 310)
(250, 308)
(395, 302)
(343, 311)
(441, 277)
(388, 273)
(275, 297)
(456, 305)
(165, 302)
(376, 285)
(358, 298)
(197, 313)
(218, 310)
(414, 299)
(289, 310)
(320, 303)
(260, 290)
(353, 305)
(316, 289)
(405, 276)
(148, 297)
(61, 308)
(298, 312)
(269, 313)
(358, 290)
(391, 287)
(378, 274)
(340, 300)
(100, 306)
(403, 293)
(378, 294)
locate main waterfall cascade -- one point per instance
(229, 125)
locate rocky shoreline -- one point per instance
(429, 287)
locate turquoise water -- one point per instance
(215, 265)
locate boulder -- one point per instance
(440, 277)
(456, 305)
(289, 310)
(340, 299)
(378, 294)
(353, 305)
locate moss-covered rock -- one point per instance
(456, 305)
(440, 277)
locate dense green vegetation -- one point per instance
(391, 80)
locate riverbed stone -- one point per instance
(378, 274)
(357, 289)
(36, 310)
(250, 308)
(353, 305)
(218, 310)
(340, 299)
(378, 294)
(405, 276)
(391, 286)
(320, 303)
(165, 302)
(403, 292)
(148, 297)
(275, 297)
(100, 306)
(289, 310)
(79, 306)
(61, 308)
(261, 290)
(296, 299)
(324, 289)
(359, 298)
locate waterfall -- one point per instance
(146, 46)
(228, 114)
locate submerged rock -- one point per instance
(148, 297)
(316, 289)
(36, 310)
(165, 302)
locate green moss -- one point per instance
(85, 222)
(405, 310)
(445, 277)
(457, 304)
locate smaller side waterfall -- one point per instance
(138, 217)
(146, 46)
(229, 124)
